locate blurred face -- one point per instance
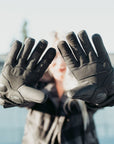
(58, 67)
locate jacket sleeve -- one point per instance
(50, 106)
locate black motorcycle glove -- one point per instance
(90, 66)
(22, 70)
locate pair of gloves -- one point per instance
(90, 66)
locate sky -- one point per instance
(45, 16)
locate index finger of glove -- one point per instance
(67, 54)
(45, 62)
(13, 53)
(98, 42)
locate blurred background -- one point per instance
(39, 18)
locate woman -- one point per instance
(60, 120)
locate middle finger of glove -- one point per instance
(36, 54)
(76, 48)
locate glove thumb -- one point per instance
(32, 95)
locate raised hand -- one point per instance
(90, 66)
(23, 68)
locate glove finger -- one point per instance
(13, 53)
(102, 53)
(28, 45)
(67, 54)
(37, 53)
(75, 46)
(45, 62)
(87, 46)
